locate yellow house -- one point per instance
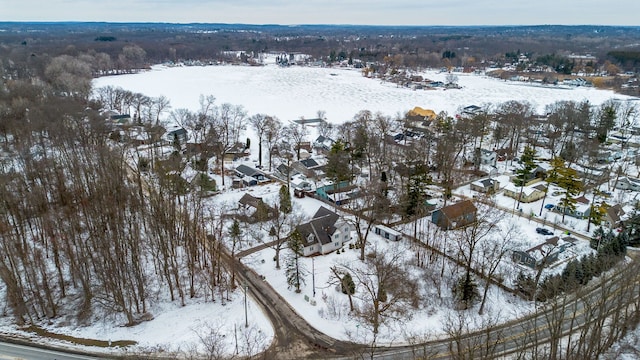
(526, 194)
(427, 114)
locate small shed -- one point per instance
(387, 233)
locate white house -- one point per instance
(628, 183)
(324, 233)
(486, 157)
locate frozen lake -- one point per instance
(294, 92)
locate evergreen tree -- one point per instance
(285, 200)
(338, 162)
(524, 173)
(567, 179)
(347, 285)
(528, 165)
(606, 120)
(175, 142)
(525, 285)
(295, 270)
(415, 191)
(466, 291)
(597, 214)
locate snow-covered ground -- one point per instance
(293, 92)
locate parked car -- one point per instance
(543, 231)
(549, 206)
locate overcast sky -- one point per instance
(369, 12)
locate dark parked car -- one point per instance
(549, 206)
(543, 231)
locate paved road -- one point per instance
(295, 338)
(550, 323)
(16, 351)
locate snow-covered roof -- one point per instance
(526, 190)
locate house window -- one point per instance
(336, 236)
(336, 244)
(312, 248)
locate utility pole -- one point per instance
(313, 276)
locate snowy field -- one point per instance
(294, 92)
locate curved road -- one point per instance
(296, 339)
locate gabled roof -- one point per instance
(426, 113)
(249, 200)
(485, 183)
(458, 209)
(283, 169)
(177, 131)
(247, 171)
(309, 163)
(551, 245)
(526, 190)
(582, 200)
(615, 212)
(542, 187)
(321, 226)
(324, 141)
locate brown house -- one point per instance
(253, 209)
(455, 216)
(613, 216)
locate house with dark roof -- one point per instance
(237, 151)
(485, 186)
(455, 216)
(324, 233)
(253, 209)
(309, 168)
(250, 176)
(543, 254)
(613, 217)
(283, 171)
(177, 134)
(120, 120)
(323, 144)
(471, 110)
(582, 208)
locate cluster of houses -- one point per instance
(327, 231)
(417, 82)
